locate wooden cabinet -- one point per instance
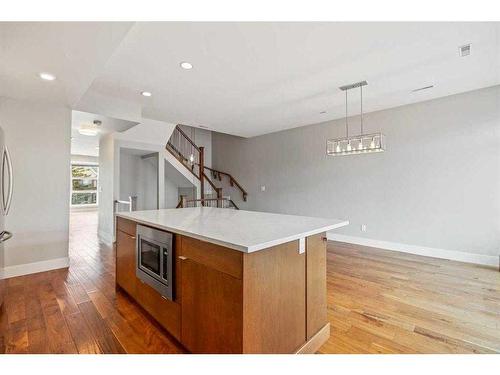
(274, 300)
(212, 297)
(211, 309)
(316, 284)
(166, 312)
(125, 262)
(227, 301)
(2, 293)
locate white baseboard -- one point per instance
(28, 268)
(461, 256)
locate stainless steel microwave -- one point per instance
(154, 255)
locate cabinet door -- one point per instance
(275, 300)
(125, 262)
(316, 284)
(211, 309)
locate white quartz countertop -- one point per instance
(246, 231)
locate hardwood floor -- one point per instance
(388, 302)
(378, 302)
(77, 310)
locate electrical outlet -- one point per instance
(263, 188)
(363, 227)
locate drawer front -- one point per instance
(126, 226)
(217, 257)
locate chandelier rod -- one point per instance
(346, 123)
(361, 88)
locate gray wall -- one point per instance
(175, 184)
(437, 185)
(139, 177)
(38, 137)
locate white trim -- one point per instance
(35, 267)
(461, 256)
(105, 237)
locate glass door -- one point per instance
(150, 257)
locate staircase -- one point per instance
(191, 157)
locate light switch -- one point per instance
(263, 188)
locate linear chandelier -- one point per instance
(355, 144)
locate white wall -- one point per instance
(171, 193)
(436, 186)
(38, 137)
(84, 159)
(152, 136)
(107, 188)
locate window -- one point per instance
(84, 185)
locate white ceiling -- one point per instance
(88, 145)
(75, 52)
(248, 78)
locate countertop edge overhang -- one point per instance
(245, 248)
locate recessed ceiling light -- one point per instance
(88, 132)
(186, 65)
(146, 94)
(47, 76)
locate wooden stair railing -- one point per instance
(232, 181)
(207, 202)
(192, 157)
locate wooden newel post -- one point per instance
(202, 180)
(219, 197)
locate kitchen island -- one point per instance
(240, 281)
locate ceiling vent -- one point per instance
(423, 88)
(464, 50)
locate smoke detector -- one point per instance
(464, 50)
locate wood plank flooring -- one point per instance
(378, 302)
(77, 310)
(388, 302)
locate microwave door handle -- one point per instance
(7, 160)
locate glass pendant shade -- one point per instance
(357, 144)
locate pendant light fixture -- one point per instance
(355, 144)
